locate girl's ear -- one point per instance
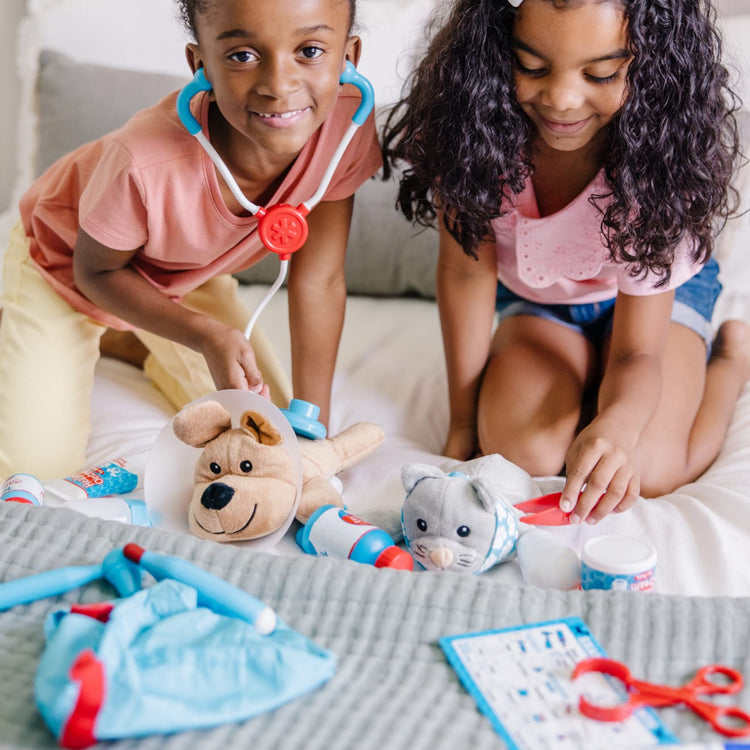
(194, 60)
(193, 56)
(353, 50)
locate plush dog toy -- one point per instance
(463, 519)
(245, 479)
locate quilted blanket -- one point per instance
(393, 686)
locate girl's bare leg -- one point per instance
(690, 425)
(531, 393)
(123, 345)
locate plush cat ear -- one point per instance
(412, 474)
(502, 479)
(488, 493)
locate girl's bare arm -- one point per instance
(106, 277)
(466, 290)
(317, 301)
(603, 455)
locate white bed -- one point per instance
(390, 368)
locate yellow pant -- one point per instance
(48, 353)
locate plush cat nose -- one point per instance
(216, 496)
(442, 557)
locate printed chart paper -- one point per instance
(521, 679)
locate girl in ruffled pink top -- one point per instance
(577, 155)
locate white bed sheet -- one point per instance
(390, 368)
(390, 371)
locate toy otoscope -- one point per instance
(282, 227)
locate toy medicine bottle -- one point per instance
(333, 532)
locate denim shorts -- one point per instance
(693, 307)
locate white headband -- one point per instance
(515, 3)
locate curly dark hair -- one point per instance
(190, 10)
(673, 147)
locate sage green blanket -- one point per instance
(393, 687)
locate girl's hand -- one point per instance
(601, 460)
(601, 475)
(231, 359)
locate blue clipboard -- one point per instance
(520, 678)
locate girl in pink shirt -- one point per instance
(138, 231)
(577, 155)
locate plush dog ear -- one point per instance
(260, 428)
(199, 424)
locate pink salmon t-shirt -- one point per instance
(150, 185)
(562, 259)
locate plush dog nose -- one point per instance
(216, 496)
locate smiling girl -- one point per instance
(137, 231)
(578, 155)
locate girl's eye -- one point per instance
(215, 468)
(243, 56)
(532, 72)
(311, 52)
(601, 80)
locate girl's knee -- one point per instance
(662, 476)
(538, 452)
(658, 485)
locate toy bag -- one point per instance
(157, 662)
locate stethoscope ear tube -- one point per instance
(201, 83)
(353, 76)
(282, 227)
(198, 84)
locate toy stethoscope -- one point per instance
(282, 227)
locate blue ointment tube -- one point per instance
(116, 477)
(213, 592)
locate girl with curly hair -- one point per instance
(577, 155)
(139, 231)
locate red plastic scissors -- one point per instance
(730, 721)
(544, 511)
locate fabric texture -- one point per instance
(693, 307)
(62, 393)
(158, 661)
(386, 255)
(79, 102)
(383, 627)
(150, 185)
(561, 258)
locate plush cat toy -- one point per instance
(464, 520)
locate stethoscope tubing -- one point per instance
(201, 83)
